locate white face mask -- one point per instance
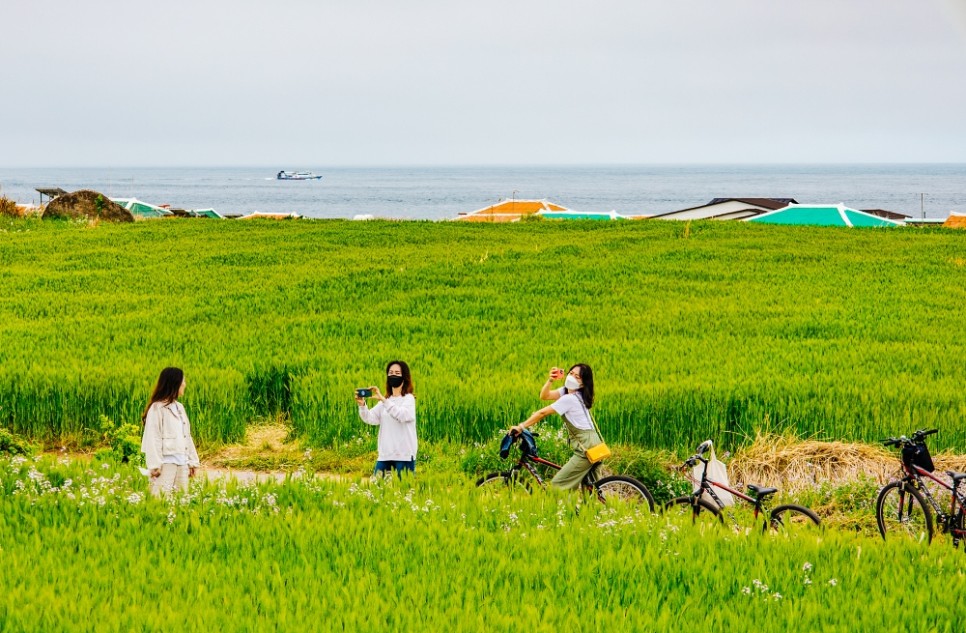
(571, 383)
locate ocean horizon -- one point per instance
(931, 190)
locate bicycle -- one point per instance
(901, 509)
(784, 518)
(621, 487)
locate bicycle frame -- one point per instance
(708, 485)
(914, 476)
(525, 463)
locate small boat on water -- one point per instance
(296, 175)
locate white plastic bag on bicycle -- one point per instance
(717, 472)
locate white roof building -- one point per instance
(727, 209)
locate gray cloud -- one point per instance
(433, 82)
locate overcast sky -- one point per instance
(440, 82)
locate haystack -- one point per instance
(792, 464)
(86, 204)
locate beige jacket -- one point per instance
(167, 431)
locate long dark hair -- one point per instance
(407, 386)
(169, 384)
(587, 378)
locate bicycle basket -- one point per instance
(917, 455)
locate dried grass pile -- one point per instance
(790, 463)
(945, 461)
(10, 208)
(86, 204)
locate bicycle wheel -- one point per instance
(627, 489)
(498, 483)
(902, 513)
(792, 519)
(703, 512)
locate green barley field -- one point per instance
(84, 548)
(694, 331)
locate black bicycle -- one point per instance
(784, 518)
(620, 487)
(905, 508)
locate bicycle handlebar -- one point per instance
(692, 461)
(902, 440)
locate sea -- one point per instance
(435, 193)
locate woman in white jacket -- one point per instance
(395, 415)
(169, 451)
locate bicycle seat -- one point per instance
(760, 492)
(957, 477)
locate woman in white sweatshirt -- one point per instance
(169, 451)
(395, 415)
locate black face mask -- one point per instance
(395, 381)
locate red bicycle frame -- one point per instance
(710, 484)
(916, 473)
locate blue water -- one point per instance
(443, 192)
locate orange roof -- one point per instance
(490, 218)
(510, 211)
(955, 221)
(270, 216)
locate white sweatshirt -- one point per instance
(167, 433)
(396, 418)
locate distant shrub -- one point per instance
(13, 444)
(124, 440)
(9, 208)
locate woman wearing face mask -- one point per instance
(573, 403)
(395, 415)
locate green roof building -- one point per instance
(822, 215)
(581, 215)
(142, 209)
(205, 213)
